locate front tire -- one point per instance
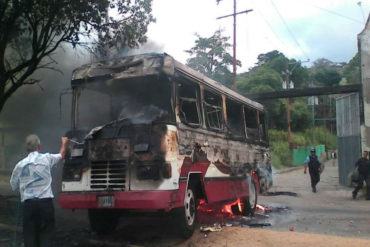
(186, 216)
(103, 221)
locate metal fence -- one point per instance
(300, 154)
(349, 135)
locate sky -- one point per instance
(301, 29)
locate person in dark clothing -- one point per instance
(363, 166)
(313, 164)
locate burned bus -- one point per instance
(151, 134)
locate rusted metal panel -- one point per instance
(227, 157)
(115, 149)
(126, 67)
(150, 64)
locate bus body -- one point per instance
(149, 133)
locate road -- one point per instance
(326, 218)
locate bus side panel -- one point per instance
(225, 189)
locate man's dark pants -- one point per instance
(315, 177)
(363, 178)
(38, 222)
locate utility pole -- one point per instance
(287, 81)
(287, 73)
(234, 39)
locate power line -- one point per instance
(270, 26)
(287, 27)
(362, 10)
(333, 12)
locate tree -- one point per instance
(328, 77)
(32, 30)
(352, 70)
(263, 77)
(300, 115)
(210, 57)
(322, 63)
(267, 76)
(267, 57)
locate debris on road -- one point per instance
(214, 228)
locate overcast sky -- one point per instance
(301, 29)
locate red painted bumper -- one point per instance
(140, 200)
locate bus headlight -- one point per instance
(148, 170)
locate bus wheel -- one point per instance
(250, 202)
(103, 221)
(186, 216)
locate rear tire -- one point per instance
(186, 216)
(249, 203)
(103, 221)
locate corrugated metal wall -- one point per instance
(349, 134)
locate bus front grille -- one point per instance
(108, 175)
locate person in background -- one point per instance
(332, 156)
(363, 167)
(32, 176)
(313, 164)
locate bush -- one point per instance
(282, 155)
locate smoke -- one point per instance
(139, 113)
(148, 47)
(35, 108)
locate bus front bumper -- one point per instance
(135, 200)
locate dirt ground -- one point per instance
(326, 218)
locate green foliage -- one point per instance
(268, 76)
(267, 57)
(321, 136)
(328, 77)
(300, 115)
(282, 155)
(210, 57)
(263, 79)
(352, 70)
(32, 30)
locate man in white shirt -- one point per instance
(32, 176)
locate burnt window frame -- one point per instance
(251, 133)
(262, 128)
(196, 100)
(217, 108)
(241, 134)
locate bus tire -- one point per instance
(186, 216)
(250, 202)
(103, 221)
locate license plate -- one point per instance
(106, 201)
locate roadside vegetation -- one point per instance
(283, 156)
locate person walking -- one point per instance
(32, 176)
(313, 164)
(363, 167)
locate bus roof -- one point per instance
(150, 64)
